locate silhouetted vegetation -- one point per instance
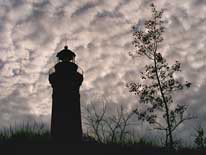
(25, 133)
(106, 127)
(39, 134)
(157, 82)
(200, 138)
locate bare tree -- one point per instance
(107, 127)
(157, 80)
(95, 121)
(118, 124)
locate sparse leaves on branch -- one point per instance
(158, 82)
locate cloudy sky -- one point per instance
(99, 32)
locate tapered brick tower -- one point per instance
(66, 114)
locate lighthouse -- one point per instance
(66, 125)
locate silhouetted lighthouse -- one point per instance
(66, 114)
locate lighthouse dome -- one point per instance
(66, 54)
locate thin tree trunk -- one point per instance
(164, 100)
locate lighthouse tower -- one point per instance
(66, 123)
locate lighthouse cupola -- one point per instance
(66, 55)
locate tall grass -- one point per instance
(25, 133)
(39, 133)
(32, 133)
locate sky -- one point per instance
(99, 32)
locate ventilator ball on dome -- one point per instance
(66, 54)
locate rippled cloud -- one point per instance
(99, 32)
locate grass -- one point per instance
(25, 133)
(38, 133)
